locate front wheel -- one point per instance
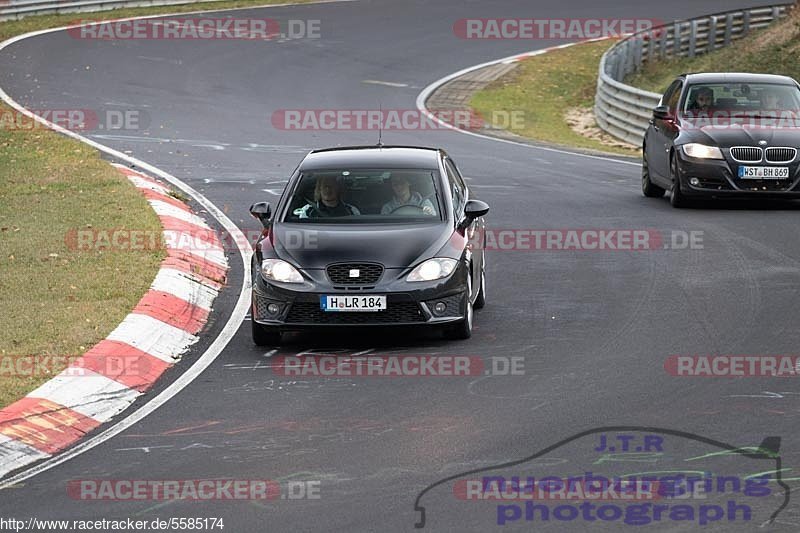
(676, 197)
(463, 329)
(480, 299)
(649, 189)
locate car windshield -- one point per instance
(365, 196)
(742, 98)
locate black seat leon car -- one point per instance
(724, 135)
(369, 236)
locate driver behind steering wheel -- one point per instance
(403, 195)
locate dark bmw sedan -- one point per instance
(369, 236)
(725, 134)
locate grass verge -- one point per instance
(771, 50)
(55, 301)
(548, 89)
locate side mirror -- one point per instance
(475, 209)
(662, 112)
(261, 211)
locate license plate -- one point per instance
(352, 304)
(763, 172)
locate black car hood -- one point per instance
(317, 246)
(725, 136)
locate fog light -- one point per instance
(440, 308)
(273, 309)
(694, 182)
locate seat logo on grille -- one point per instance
(354, 273)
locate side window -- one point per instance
(668, 93)
(457, 187)
(672, 98)
(459, 179)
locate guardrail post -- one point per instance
(712, 33)
(676, 40)
(662, 42)
(746, 22)
(612, 65)
(637, 53)
(692, 38)
(629, 59)
(619, 67)
(728, 28)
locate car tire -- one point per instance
(265, 335)
(463, 329)
(649, 189)
(676, 197)
(480, 300)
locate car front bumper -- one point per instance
(407, 304)
(719, 177)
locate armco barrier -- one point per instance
(624, 111)
(16, 9)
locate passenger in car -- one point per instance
(703, 100)
(403, 195)
(770, 99)
(327, 200)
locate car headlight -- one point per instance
(702, 151)
(280, 270)
(436, 268)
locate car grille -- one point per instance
(780, 155)
(746, 154)
(368, 273)
(310, 313)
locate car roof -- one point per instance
(373, 157)
(737, 77)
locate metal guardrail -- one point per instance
(16, 9)
(624, 111)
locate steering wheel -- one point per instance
(407, 210)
